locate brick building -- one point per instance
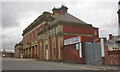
(112, 50)
(45, 37)
(7, 54)
(112, 46)
(18, 49)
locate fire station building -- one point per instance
(52, 35)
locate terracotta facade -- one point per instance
(44, 38)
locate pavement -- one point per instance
(67, 65)
(86, 66)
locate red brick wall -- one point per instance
(84, 38)
(69, 36)
(75, 29)
(111, 57)
(70, 54)
(80, 30)
(88, 38)
(32, 36)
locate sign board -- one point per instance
(72, 40)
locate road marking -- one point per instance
(55, 64)
(18, 59)
(91, 68)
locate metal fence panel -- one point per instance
(93, 53)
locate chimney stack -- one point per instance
(56, 10)
(110, 36)
(63, 9)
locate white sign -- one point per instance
(72, 40)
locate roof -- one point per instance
(66, 17)
(68, 23)
(114, 39)
(69, 18)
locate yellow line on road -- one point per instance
(90, 68)
(51, 63)
(17, 59)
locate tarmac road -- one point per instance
(33, 64)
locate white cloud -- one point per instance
(99, 13)
(58, 0)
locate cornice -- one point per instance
(46, 16)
